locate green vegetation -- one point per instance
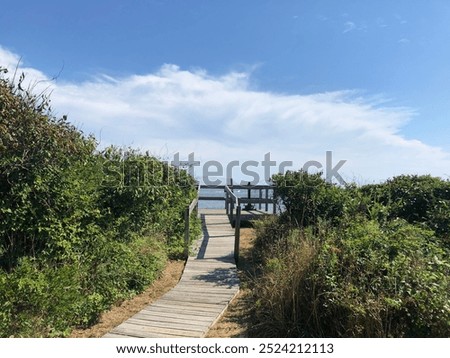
(80, 229)
(370, 261)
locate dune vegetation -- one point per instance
(80, 228)
(355, 261)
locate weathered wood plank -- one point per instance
(201, 299)
(185, 326)
(188, 292)
(112, 335)
(206, 312)
(198, 306)
(171, 316)
(147, 331)
(209, 266)
(178, 315)
(191, 289)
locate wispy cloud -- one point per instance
(349, 26)
(223, 118)
(381, 22)
(13, 62)
(400, 20)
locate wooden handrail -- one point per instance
(231, 200)
(187, 216)
(233, 195)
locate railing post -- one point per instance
(231, 210)
(186, 232)
(260, 197)
(232, 201)
(198, 199)
(274, 202)
(237, 233)
(227, 202)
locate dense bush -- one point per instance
(308, 199)
(370, 273)
(140, 193)
(417, 199)
(79, 229)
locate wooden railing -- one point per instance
(233, 202)
(233, 206)
(261, 200)
(193, 206)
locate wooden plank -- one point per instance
(208, 276)
(201, 299)
(192, 310)
(208, 285)
(227, 265)
(224, 263)
(196, 287)
(190, 290)
(178, 315)
(190, 306)
(185, 326)
(225, 280)
(179, 318)
(147, 331)
(220, 271)
(113, 335)
(138, 333)
(215, 263)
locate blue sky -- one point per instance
(233, 80)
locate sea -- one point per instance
(240, 193)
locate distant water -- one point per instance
(220, 204)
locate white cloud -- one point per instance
(14, 64)
(222, 118)
(349, 26)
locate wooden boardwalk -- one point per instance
(208, 284)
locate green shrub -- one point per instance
(421, 200)
(140, 193)
(355, 262)
(358, 281)
(308, 199)
(79, 229)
